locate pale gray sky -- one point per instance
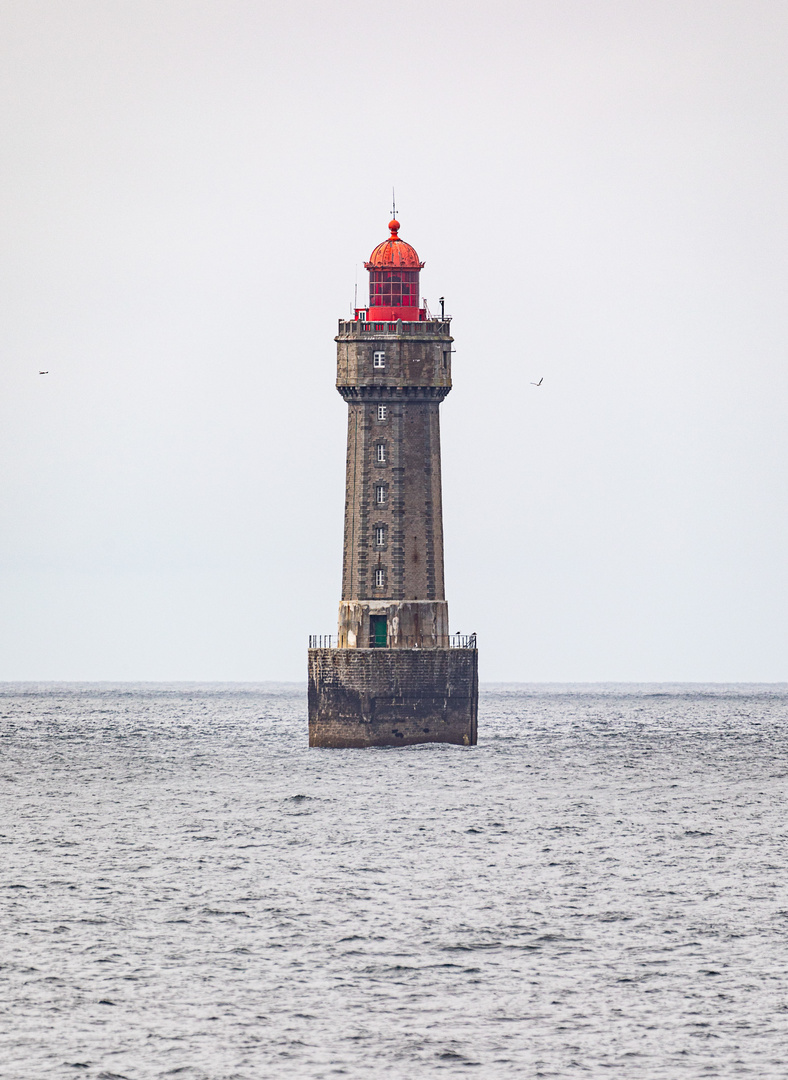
(598, 189)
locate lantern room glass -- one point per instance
(394, 288)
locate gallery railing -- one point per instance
(456, 641)
(322, 641)
(462, 641)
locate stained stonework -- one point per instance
(393, 478)
(422, 624)
(393, 679)
(392, 697)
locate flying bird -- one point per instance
(43, 373)
(538, 383)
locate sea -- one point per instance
(597, 889)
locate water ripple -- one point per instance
(188, 891)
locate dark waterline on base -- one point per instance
(188, 890)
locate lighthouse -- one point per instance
(395, 675)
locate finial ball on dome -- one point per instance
(393, 253)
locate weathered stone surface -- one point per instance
(409, 623)
(392, 697)
(411, 687)
(418, 355)
(393, 547)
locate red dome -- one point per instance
(394, 254)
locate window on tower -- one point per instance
(380, 536)
(380, 578)
(379, 360)
(380, 494)
(383, 412)
(380, 452)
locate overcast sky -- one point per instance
(189, 189)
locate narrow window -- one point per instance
(379, 360)
(380, 536)
(380, 452)
(380, 494)
(380, 578)
(382, 412)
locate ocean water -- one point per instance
(597, 889)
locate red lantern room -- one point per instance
(394, 269)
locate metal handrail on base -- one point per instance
(322, 641)
(456, 641)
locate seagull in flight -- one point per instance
(43, 373)
(538, 383)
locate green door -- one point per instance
(377, 631)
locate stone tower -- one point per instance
(397, 676)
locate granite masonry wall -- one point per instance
(393, 377)
(392, 697)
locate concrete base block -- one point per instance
(392, 697)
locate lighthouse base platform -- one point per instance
(392, 697)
